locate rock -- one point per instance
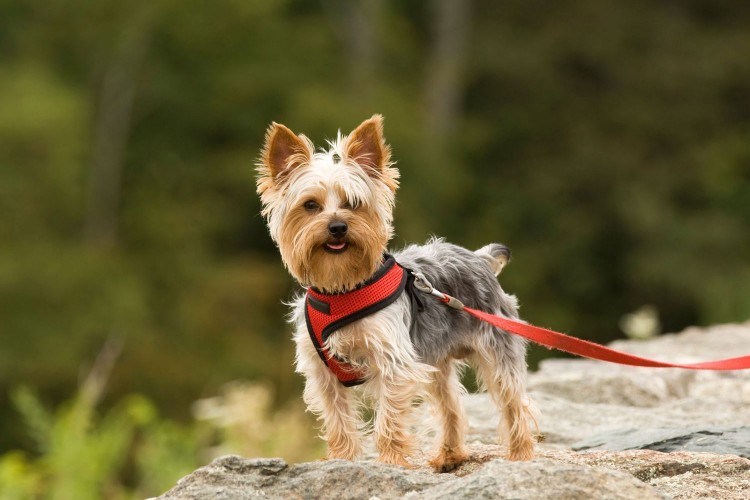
(541, 478)
(591, 413)
(585, 381)
(233, 477)
(236, 478)
(565, 422)
(679, 475)
(732, 441)
(693, 344)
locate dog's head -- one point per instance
(330, 212)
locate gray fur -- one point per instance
(441, 332)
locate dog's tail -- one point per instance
(495, 255)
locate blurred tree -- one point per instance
(116, 97)
(444, 86)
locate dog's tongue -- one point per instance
(336, 246)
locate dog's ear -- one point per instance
(366, 146)
(283, 152)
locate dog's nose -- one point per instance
(338, 229)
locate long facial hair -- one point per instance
(353, 181)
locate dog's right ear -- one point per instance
(282, 152)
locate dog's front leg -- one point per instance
(332, 403)
(395, 396)
(399, 378)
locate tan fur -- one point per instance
(396, 376)
(283, 170)
(496, 263)
(332, 403)
(370, 347)
(508, 394)
(444, 396)
(301, 243)
(283, 151)
(366, 146)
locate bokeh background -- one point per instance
(141, 324)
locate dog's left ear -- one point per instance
(366, 146)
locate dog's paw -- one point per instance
(350, 453)
(448, 459)
(521, 453)
(395, 460)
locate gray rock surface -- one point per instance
(236, 478)
(541, 478)
(232, 477)
(733, 441)
(590, 413)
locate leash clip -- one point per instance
(422, 284)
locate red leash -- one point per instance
(580, 347)
(572, 345)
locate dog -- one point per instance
(330, 213)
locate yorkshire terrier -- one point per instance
(330, 213)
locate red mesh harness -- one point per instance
(326, 313)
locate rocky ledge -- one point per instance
(608, 431)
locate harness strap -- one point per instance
(326, 313)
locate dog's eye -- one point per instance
(350, 205)
(311, 206)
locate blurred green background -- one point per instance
(606, 142)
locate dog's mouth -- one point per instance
(336, 246)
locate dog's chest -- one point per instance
(354, 343)
(374, 342)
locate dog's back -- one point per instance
(441, 332)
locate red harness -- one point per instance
(326, 313)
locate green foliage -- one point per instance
(166, 453)
(83, 455)
(131, 452)
(19, 480)
(244, 421)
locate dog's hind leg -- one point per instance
(501, 370)
(444, 394)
